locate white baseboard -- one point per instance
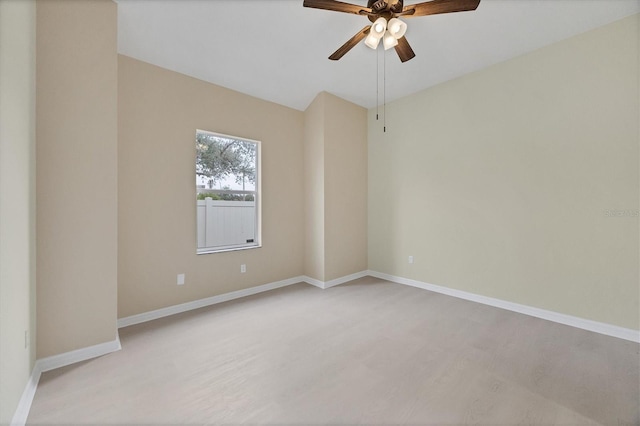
(53, 362)
(24, 405)
(68, 358)
(585, 324)
(332, 283)
(313, 281)
(201, 303)
(346, 278)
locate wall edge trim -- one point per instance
(337, 281)
(225, 297)
(577, 322)
(56, 361)
(345, 279)
(24, 405)
(314, 282)
(78, 355)
(207, 301)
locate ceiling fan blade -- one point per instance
(336, 6)
(439, 6)
(342, 50)
(404, 51)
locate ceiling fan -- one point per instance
(385, 25)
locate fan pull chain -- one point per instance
(377, 82)
(384, 92)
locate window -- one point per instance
(227, 192)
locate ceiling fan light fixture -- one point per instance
(389, 41)
(378, 28)
(397, 28)
(377, 31)
(379, 11)
(372, 41)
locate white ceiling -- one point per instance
(277, 50)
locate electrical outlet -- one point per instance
(243, 268)
(26, 339)
(180, 279)
(410, 259)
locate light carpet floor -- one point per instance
(367, 352)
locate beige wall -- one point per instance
(498, 182)
(159, 112)
(314, 127)
(17, 200)
(345, 184)
(335, 188)
(76, 174)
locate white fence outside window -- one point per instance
(226, 224)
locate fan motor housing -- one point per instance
(384, 8)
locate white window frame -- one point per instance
(257, 196)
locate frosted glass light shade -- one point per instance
(397, 28)
(376, 33)
(378, 27)
(389, 41)
(372, 41)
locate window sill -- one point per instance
(210, 250)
